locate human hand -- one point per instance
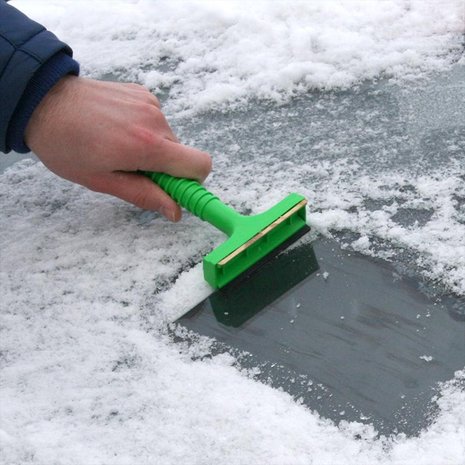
(98, 134)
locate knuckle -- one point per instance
(154, 100)
(150, 112)
(142, 137)
(144, 143)
(144, 93)
(150, 99)
(205, 165)
(144, 200)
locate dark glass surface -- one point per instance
(354, 340)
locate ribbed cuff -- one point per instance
(44, 79)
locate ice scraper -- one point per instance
(251, 238)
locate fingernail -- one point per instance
(167, 213)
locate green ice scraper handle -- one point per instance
(251, 238)
(199, 201)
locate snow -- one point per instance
(439, 240)
(210, 53)
(88, 284)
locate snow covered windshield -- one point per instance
(358, 105)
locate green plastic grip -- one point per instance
(251, 238)
(199, 201)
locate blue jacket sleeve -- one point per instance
(32, 60)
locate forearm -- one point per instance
(32, 61)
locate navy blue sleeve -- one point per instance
(32, 60)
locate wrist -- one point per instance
(42, 83)
(49, 112)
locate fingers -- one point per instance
(176, 159)
(138, 190)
